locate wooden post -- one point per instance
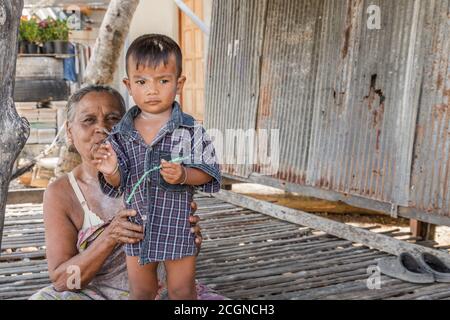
(424, 230)
(227, 183)
(14, 131)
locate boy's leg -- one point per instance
(143, 280)
(181, 278)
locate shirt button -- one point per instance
(144, 218)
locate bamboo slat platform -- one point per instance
(245, 255)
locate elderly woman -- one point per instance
(84, 229)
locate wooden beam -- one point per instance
(227, 181)
(424, 230)
(25, 196)
(371, 239)
(353, 200)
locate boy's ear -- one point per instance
(180, 84)
(126, 82)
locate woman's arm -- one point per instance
(61, 237)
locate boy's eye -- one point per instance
(163, 81)
(140, 82)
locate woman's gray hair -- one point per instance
(79, 95)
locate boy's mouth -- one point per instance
(152, 102)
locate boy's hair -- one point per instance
(151, 50)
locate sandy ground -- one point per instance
(347, 214)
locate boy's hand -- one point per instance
(105, 159)
(172, 173)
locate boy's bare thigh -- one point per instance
(181, 278)
(143, 280)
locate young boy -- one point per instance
(152, 133)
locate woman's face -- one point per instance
(95, 112)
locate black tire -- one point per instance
(30, 90)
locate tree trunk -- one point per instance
(109, 44)
(14, 131)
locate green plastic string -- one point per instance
(133, 191)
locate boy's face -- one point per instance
(154, 89)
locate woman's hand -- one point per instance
(195, 228)
(121, 230)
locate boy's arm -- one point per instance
(196, 177)
(212, 183)
(114, 170)
(204, 173)
(175, 173)
(114, 178)
(106, 162)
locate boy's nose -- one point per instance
(151, 90)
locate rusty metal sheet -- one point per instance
(430, 185)
(360, 111)
(233, 62)
(366, 100)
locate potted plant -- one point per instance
(22, 37)
(30, 33)
(47, 35)
(61, 34)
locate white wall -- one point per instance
(207, 10)
(155, 16)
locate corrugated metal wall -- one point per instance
(360, 111)
(234, 68)
(431, 168)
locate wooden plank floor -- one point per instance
(245, 255)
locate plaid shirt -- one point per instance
(161, 207)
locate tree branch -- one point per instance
(110, 41)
